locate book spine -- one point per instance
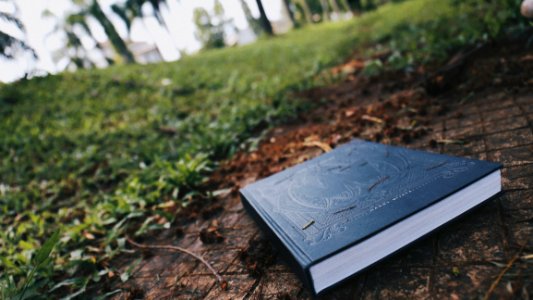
(299, 267)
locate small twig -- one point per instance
(380, 181)
(449, 141)
(167, 130)
(345, 168)
(500, 276)
(436, 166)
(221, 281)
(527, 257)
(345, 209)
(324, 146)
(308, 224)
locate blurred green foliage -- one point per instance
(98, 153)
(210, 27)
(457, 24)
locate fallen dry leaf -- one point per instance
(350, 112)
(167, 204)
(324, 146)
(372, 119)
(88, 235)
(449, 141)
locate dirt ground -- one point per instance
(479, 105)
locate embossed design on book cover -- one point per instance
(356, 181)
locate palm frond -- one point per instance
(11, 19)
(10, 45)
(121, 12)
(79, 18)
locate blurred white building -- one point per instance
(145, 53)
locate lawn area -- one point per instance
(97, 154)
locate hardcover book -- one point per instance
(343, 211)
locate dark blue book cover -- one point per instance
(325, 205)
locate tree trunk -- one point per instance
(370, 5)
(111, 32)
(325, 10)
(252, 22)
(307, 11)
(287, 4)
(335, 7)
(355, 5)
(345, 6)
(161, 20)
(265, 23)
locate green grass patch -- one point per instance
(98, 153)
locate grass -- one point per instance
(98, 153)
